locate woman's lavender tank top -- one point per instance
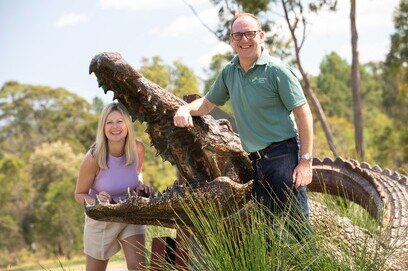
(116, 179)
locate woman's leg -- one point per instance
(134, 250)
(93, 264)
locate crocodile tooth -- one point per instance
(97, 201)
(149, 98)
(105, 88)
(87, 203)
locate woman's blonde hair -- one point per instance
(101, 145)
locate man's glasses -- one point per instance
(237, 36)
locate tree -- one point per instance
(31, 115)
(154, 70)
(55, 215)
(396, 65)
(355, 82)
(178, 79)
(58, 229)
(52, 161)
(395, 76)
(332, 86)
(97, 105)
(15, 197)
(185, 82)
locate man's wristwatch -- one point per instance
(306, 156)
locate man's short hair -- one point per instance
(243, 14)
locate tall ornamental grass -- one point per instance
(255, 239)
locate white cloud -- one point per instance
(373, 51)
(369, 19)
(182, 25)
(146, 5)
(70, 19)
(220, 47)
(187, 25)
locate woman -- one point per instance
(113, 164)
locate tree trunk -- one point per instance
(355, 83)
(321, 116)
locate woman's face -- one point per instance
(115, 127)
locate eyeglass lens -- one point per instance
(249, 35)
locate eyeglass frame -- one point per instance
(254, 32)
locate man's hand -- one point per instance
(302, 175)
(183, 118)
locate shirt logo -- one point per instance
(258, 80)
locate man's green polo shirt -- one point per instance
(262, 99)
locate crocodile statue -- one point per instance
(213, 165)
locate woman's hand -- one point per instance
(103, 197)
(144, 190)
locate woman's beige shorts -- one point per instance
(101, 239)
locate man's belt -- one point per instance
(254, 156)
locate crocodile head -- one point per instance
(202, 154)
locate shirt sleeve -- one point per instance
(289, 88)
(218, 93)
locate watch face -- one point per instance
(307, 156)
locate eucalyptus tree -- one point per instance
(34, 114)
(355, 83)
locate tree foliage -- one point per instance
(184, 80)
(178, 78)
(396, 65)
(15, 198)
(51, 162)
(385, 139)
(55, 216)
(333, 86)
(41, 114)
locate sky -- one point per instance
(51, 42)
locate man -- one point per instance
(264, 93)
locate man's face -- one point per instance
(248, 46)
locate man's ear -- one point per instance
(262, 35)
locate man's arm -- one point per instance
(302, 175)
(199, 107)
